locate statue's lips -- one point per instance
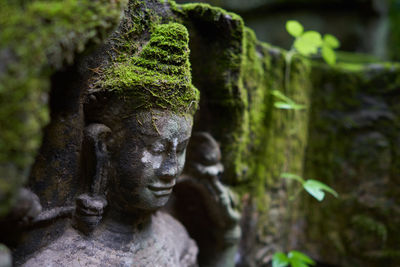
(161, 190)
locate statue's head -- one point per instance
(147, 102)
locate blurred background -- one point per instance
(362, 26)
(352, 144)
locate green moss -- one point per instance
(208, 12)
(394, 35)
(241, 72)
(252, 80)
(353, 132)
(221, 33)
(275, 140)
(159, 77)
(369, 224)
(37, 38)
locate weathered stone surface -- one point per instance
(38, 38)
(168, 245)
(236, 74)
(353, 146)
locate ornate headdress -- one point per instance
(159, 77)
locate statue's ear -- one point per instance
(95, 157)
(91, 204)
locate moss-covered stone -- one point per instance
(353, 146)
(37, 38)
(159, 77)
(216, 38)
(236, 75)
(394, 36)
(259, 142)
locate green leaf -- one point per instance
(280, 260)
(294, 28)
(287, 103)
(314, 191)
(292, 176)
(281, 96)
(325, 187)
(331, 41)
(297, 263)
(316, 188)
(328, 55)
(308, 43)
(284, 105)
(313, 38)
(294, 254)
(303, 48)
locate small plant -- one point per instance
(285, 102)
(311, 42)
(293, 258)
(315, 188)
(306, 43)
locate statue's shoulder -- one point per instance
(169, 244)
(171, 231)
(64, 251)
(75, 249)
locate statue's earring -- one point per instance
(90, 206)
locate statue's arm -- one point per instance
(223, 211)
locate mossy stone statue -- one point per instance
(139, 117)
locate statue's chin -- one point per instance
(150, 201)
(155, 204)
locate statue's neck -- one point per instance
(127, 229)
(120, 220)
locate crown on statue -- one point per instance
(160, 76)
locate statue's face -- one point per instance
(149, 158)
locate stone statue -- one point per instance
(199, 191)
(139, 117)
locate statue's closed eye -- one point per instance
(157, 148)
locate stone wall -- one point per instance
(37, 39)
(346, 136)
(353, 145)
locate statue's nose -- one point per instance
(169, 169)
